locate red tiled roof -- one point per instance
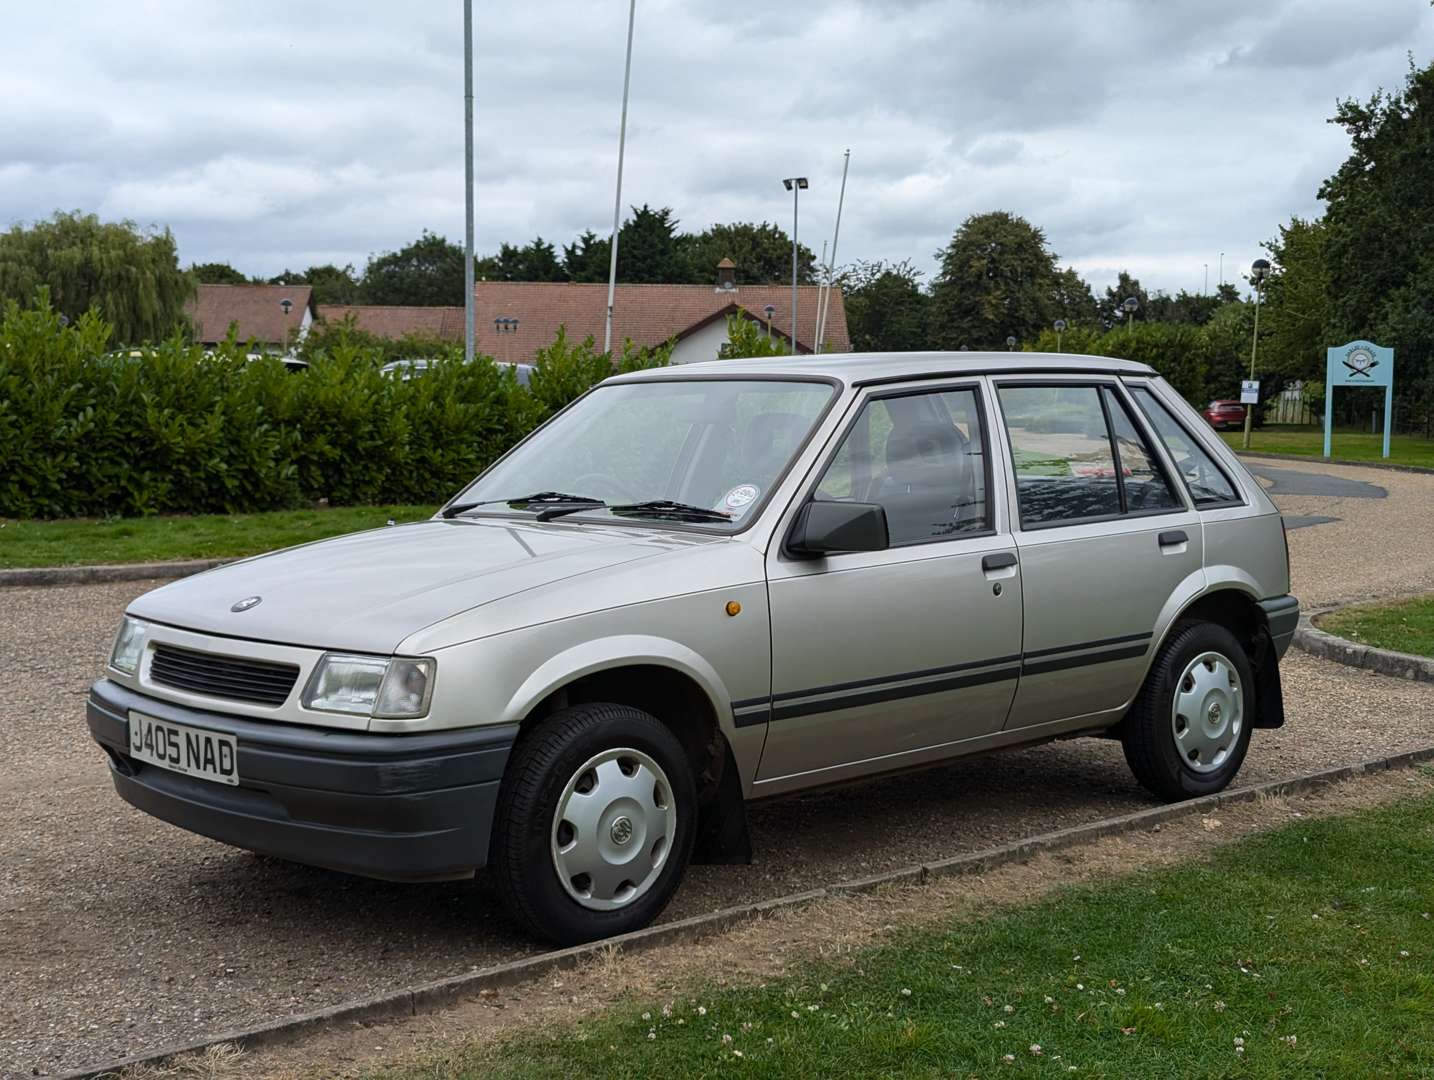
(394, 321)
(256, 308)
(648, 314)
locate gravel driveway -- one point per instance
(120, 934)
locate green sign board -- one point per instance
(1360, 363)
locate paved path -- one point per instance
(120, 934)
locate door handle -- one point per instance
(998, 561)
(1173, 537)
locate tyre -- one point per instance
(1189, 728)
(595, 823)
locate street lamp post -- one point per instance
(1010, 343)
(1060, 329)
(469, 301)
(796, 185)
(287, 305)
(1131, 306)
(770, 310)
(1259, 271)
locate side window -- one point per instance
(922, 457)
(1065, 465)
(1079, 455)
(1208, 484)
(1146, 486)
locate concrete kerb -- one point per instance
(1306, 459)
(430, 997)
(99, 575)
(1311, 639)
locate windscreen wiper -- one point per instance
(545, 498)
(669, 508)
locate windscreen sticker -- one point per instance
(740, 498)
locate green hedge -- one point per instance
(171, 429)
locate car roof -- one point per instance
(865, 368)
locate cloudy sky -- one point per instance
(1149, 135)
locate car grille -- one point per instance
(232, 677)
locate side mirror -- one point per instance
(827, 527)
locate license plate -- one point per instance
(209, 755)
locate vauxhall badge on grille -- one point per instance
(247, 603)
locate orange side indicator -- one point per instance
(733, 607)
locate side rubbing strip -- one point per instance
(1126, 640)
(1104, 656)
(893, 693)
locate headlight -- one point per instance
(129, 644)
(395, 689)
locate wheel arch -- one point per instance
(677, 686)
(1234, 604)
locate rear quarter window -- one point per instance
(1209, 485)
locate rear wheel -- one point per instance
(1189, 728)
(595, 823)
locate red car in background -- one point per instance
(1224, 414)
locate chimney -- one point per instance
(726, 276)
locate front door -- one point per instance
(880, 658)
(1106, 540)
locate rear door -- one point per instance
(1106, 539)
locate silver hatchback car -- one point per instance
(704, 585)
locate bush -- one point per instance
(169, 428)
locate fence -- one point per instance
(1289, 407)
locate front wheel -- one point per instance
(1189, 728)
(595, 823)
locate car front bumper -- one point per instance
(398, 807)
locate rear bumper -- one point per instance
(399, 807)
(1282, 613)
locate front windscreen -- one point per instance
(714, 447)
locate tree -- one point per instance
(217, 273)
(886, 311)
(1072, 300)
(587, 258)
(428, 271)
(1379, 234)
(331, 284)
(131, 276)
(996, 280)
(647, 249)
(535, 261)
(1111, 309)
(763, 254)
(1296, 304)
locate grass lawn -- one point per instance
(1349, 445)
(1405, 626)
(84, 541)
(1307, 951)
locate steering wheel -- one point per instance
(603, 487)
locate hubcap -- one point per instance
(1208, 714)
(613, 827)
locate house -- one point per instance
(514, 319)
(274, 317)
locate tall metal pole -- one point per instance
(1255, 344)
(796, 194)
(617, 199)
(468, 298)
(1205, 291)
(826, 303)
(1222, 268)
